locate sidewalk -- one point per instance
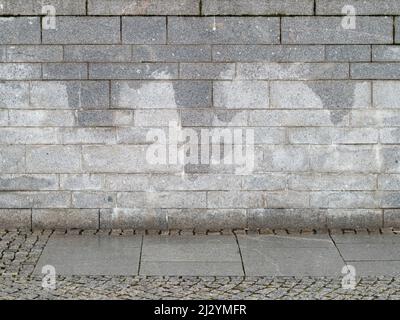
(127, 265)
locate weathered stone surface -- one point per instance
(257, 7)
(144, 30)
(69, 94)
(20, 30)
(15, 218)
(83, 30)
(34, 7)
(87, 105)
(53, 159)
(232, 30)
(143, 7)
(329, 30)
(65, 218)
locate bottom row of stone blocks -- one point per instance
(198, 219)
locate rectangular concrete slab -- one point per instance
(295, 256)
(376, 268)
(191, 255)
(369, 251)
(92, 255)
(366, 239)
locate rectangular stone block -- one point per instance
(143, 7)
(156, 118)
(371, 117)
(65, 219)
(329, 30)
(97, 53)
(137, 219)
(3, 117)
(292, 71)
(14, 95)
(288, 199)
(386, 94)
(331, 95)
(188, 182)
(20, 71)
(160, 94)
(391, 218)
(132, 135)
(53, 159)
(286, 218)
(283, 158)
(213, 118)
(120, 159)
(205, 219)
(87, 135)
(83, 30)
(204, 71)
(144, 30)
(70, 94)
(95, 118)
(35, 7)
(161, 199)
(354, 219)
(375, 71)
(397, 28)
(28, 136)
(12, 159)
(389, 135)
(241, 94)
(39, 118)
(334, 182)
(345, 199)
(171, 53)
(382, 53)
(344, 158)
(82, 182)
(355, 136)
(93, 200)
(34, 53)
(269, 135)
(37, 199)
(64, 71)
(351, 53)
(268, 53)
(390, 159)
(236, 199)
(257, 7)
(15, 218)
(133, 71)
(389, 182)
(310, 135)
(3, 53)
(221, 30)
(20, 30)
(371, 7)
(390, 199)
(297, 118)
(16, 182)
(268, 181)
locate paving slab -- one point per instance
(299, 256)
(366, 238)
(92, 255)
(376, 268)
(191, 255)
(369, 251)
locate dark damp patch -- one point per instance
(338, 98)
(192, 94)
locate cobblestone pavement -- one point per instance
(20, 250)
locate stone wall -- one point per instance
(84, 95)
